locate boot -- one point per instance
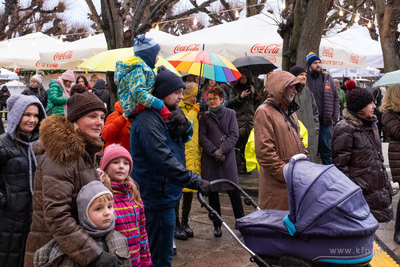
(396, 237)
(185, 227)
(179, 234)
(217, 231)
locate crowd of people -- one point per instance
(167, 138)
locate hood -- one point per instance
(276, 83)
(63, 143)
(99, 86)
(117, 107)
(124, 68)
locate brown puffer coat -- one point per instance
(66, 166)
(275, 142)
(391, 124)
(357, 152)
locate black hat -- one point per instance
(358, 98)
(167, 82)
(296, 70)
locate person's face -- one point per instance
(192, 99)
(29, 119)
(302, 77)
(101, 213)
(316, 66)
(243, 79)
(34, 83)
(290, 93)
(81, 81)
(67, 83)
(172, 100)
(214, 101)
(368, 111)
(118, 169)
(92, 123)
(190, 78)
(337, 84)
(212, 83)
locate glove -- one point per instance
(158, 104)
(196, 107)
(217, 154)
(177, 117)
(222, 158)
(204, 188)
(105, 260)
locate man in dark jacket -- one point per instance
(326, 96)
(160, 168)
(307, 112)
(99, 89)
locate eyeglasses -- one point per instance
(214, 99)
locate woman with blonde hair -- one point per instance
(390, 109)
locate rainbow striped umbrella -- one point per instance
(205, 64)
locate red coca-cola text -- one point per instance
(46, 65)
(191, 47)
(63, 55)
(265, 49)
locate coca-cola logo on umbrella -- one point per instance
(327, 52)
(354, 58)
(265, 49)
(182, 48)
(46, 65)
(63, 55)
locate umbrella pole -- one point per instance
(198, 91)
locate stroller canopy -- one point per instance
(324, 201)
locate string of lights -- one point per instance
(357, 16)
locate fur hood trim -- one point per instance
(63, 143)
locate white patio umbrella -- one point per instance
(255, 36)
(23, 52)
(5, 74)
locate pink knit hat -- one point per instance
(112, 152)
(68, 76)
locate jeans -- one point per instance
(324, 144)
(236, 201)
(160, 227)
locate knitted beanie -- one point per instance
(357, 98)
(80, 104)
(167, 82)
(37, 78)
(147, 49)
(86, 196)
(16, 105)
(311, 58)
(68, 76)
(296, 70)
(112, 152)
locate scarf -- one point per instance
(215, 110)
(66, 91)
(31, 155)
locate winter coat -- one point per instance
(55, 99)
(99, 89)
(192, 148)
(116, 129)
(219, 130)
(308, 115)
(35, 92)
(276, 141)
(391, 124)
(135, 82)
(51, 254)
(131, 222)
(4, 95)
(327, 100)
(357, 152)
(65, 167)
(159, 162)
(15, 199)
(244, 107)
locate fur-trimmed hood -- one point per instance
(63, 143)
(355, 120)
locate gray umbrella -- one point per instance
(256, 64)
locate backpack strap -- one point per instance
(285, 116)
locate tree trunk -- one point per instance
(388, 16)
(312, 29)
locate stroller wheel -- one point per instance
(287, 261)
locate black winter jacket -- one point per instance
(15, 199)
(99, 89)
(357, 152)
(35, 92)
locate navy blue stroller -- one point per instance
(328, 222)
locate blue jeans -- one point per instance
(324, 144)
(160, 227)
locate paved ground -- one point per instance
(206, 250)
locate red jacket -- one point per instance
(116, 129)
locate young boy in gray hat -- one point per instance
(96, 216)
